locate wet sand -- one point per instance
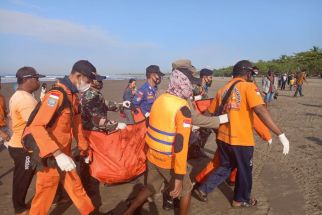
(289, 184)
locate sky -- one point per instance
(126, 36)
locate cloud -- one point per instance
(25, 4)
(59, 31)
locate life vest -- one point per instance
(162, 130)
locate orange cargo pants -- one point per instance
(46, 186)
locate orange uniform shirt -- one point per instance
(244, 97)
(21, 104)
(67, 125)
(3, 110)
(261, 129)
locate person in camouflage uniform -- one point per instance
(94, 109)
(94, 117)
(199, 135)
(201, 91)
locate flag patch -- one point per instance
(52, 100)
(54, 96)
(187, 123)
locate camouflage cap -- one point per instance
(187, 69)
(184, 64)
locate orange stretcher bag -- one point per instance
(202, 105)
(119, 156)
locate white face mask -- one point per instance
(83, 86)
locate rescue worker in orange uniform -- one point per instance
(235, 139)
(167, 139)
(54, 141)
(260, 128)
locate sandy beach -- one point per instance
(289, 184)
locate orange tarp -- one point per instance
(119, 156)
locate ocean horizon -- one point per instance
(13, 79)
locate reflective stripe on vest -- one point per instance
(162, 130)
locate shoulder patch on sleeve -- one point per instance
(53, 99)
(186, 112)
(257, 91)
(178, 143)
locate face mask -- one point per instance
(187, 94)
(83, 86)
(156, 80)
(97, 85)
(209, 83)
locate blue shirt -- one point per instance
(145, 97)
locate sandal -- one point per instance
(250, 203)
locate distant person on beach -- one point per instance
(167, 139)
(128, 95)
(201, 91)
(5, 133)
(268, 87)
(289, 77)
(235, 139)
(43, 91)
(284, 81)
(21, 104)
(292, 82)
(146, 94)
(53, 127)
(301, 77)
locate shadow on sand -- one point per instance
(310, 105)
(123, 205)
(313, 114)
(315, 140)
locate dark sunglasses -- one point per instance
(254, 70)
(31, 76)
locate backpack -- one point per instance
(28, 140)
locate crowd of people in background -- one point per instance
(43, 131)
(272, 83)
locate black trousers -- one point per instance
(91, 185)
(22, 176)
(231, 157)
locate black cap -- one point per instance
(242, 67)
(28, 72)
(206, 72)
(154, 69)
(99, 77)
(86, 68)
